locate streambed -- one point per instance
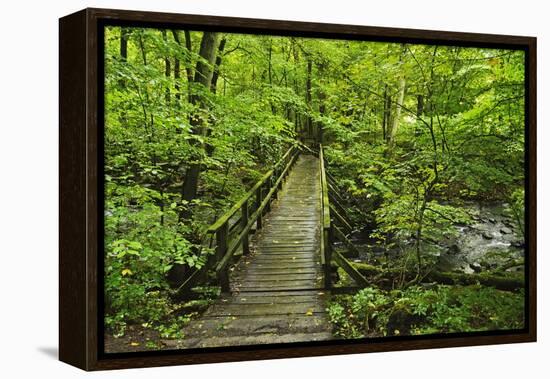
(492, 240)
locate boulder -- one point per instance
(505, 230)
(476, 267)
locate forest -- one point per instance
(423, 143)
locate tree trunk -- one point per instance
(216, 74)
(167, 69)
(188, 69)
(419, 112)
(124, 58)
(214, 86)
(419, 105)
(177, 74)
(124, 44)
(394, 126)
(508, 282)
(270, 74)
(321, 67)
(203, 77)
(386, 116)
(308, 97)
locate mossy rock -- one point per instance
(402, 318)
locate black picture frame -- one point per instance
(81, 201)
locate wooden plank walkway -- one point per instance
(276, 291)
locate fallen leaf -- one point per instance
(309, 312)
(134, 343)
(126, 271)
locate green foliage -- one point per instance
(405, 167)
(440, 309)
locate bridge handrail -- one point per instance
(238, 205)
(326, 247)
(331, 231)
(228, 239)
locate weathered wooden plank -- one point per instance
(309, 273)
(283, 277)
(311, 291)
(290, 248)
(251, 309)
(286, 254)
(278, 287)
(290, 260)
(286, 267)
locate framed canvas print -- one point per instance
(237, 189)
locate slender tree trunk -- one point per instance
(308, 97)
(123, 119)
(123, 44)
(386, 115)
(397, 114)
(167, 69)
(188, 69)
(214, 87)
(321, 97)
(270, 73)
(203, 77)
(177, 74)
(142, 48)
(419, 112)
(217, 64)
(419, 105)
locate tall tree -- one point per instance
(177, 69)
(202, 80)
(124, 44)
(217, 64)
(394, 125)
(167, 69)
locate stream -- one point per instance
(490, 241)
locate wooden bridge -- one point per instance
(273, 259)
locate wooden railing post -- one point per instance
(221, 249)
(244, 223)
(259, 198)
(328, 257)
(326, 225)
(276, 173)
(269, 183)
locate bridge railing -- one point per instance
(333, 225)
(326, 229)
(232, 229)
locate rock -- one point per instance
(401, 319)
(508, 223)
(492, 220)
(487, 235)
(520, 244)
(476, 267)
(505, 230)
(453, 249)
